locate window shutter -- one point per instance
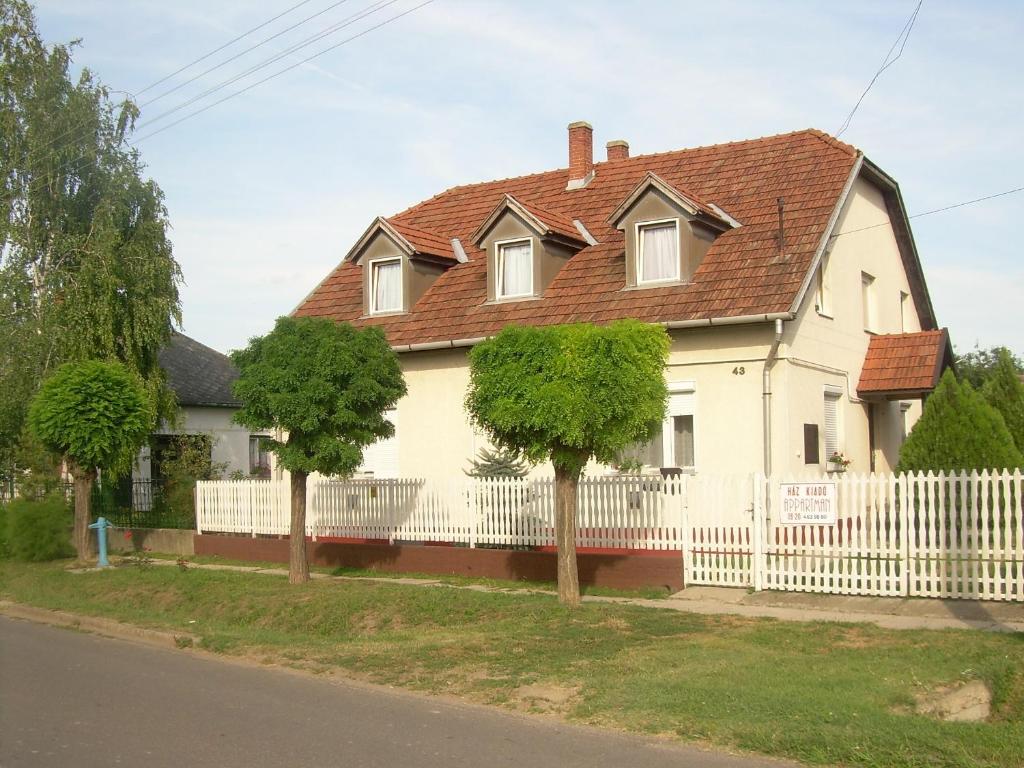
(381, 458)
(831, 424)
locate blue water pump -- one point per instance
(101, 526)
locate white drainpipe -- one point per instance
(766, 388)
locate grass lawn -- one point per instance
(821, 693)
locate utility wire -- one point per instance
(934, 211)
(228, 44)
(249, 87)
(178, 71)
(239, 55)
(887, 62)
(305, 43)
(77, 165)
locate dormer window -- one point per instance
(515, 268)
(385, 285)
(658, 251)
(667, 231)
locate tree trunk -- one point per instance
(298, 566)
(83, 497)
(566, 486)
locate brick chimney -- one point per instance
(581, 154)
(617, 150)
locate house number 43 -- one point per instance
(739, 370)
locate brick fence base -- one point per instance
(617, 570)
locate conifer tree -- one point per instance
(1004, 391)
(958, 431)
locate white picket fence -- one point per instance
(947, 535)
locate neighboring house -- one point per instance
(783, 268)
(201, 379)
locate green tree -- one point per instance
(498, 463)
(979, 365)
(86, 268)
(958, 431)
(1004, 391)
(569, 393)
(95, 415)
(327, 385)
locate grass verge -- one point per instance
(821, 693)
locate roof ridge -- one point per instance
(188, 338)
(815, 132)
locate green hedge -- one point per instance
(37, 530)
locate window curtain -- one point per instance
(387, 291)
(682, 427)
(660, 257)
(516, 270)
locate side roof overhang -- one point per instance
(899, 366)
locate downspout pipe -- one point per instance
(766, 395)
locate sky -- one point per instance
(267, 191)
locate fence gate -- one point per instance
(718, 530)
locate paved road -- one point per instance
(68, 698)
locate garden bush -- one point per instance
(38, 530)
(5, 551)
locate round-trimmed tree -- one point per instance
(568, 394)
(326, 385)
(958, 431)
(96, 415)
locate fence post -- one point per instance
(904, 520)
(200, 508)
(685, 487)
(474, 505)
(759, 508)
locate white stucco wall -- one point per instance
(725, 365)
(828, 349)
(230, 442)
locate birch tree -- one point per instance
(86, 267)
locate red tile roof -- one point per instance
(904, 363)
(742, 273)
(423, 241)
(547, 222)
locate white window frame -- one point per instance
(499, 266)
(823, 290)
(372, 285)
(668, 447)
(639, 255)
(868, 301)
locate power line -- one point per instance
(228, 44)
(77, 165)
(327, 32)
(134, 96)
(283, 71)
(240, 54)
(887, 62)
(935, 210)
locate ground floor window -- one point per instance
(259, 456)
(673, 446)
(381, 458)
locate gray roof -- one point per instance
(197, 374)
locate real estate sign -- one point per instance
(807, 503)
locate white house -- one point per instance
(783, 267)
